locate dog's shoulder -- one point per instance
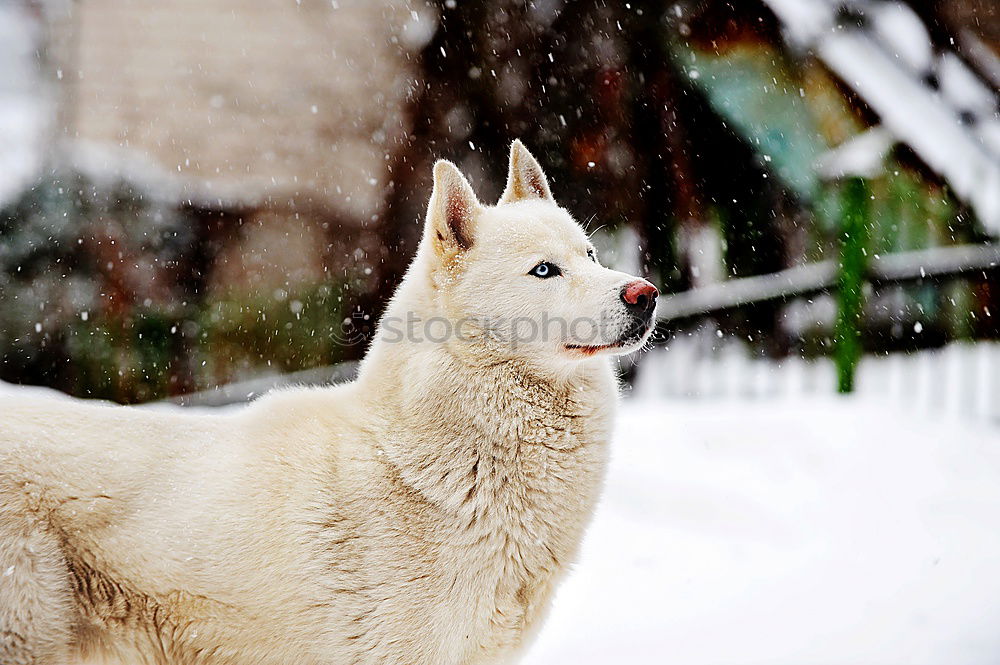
(292, 406)
(308, 424)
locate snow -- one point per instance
(814, 531)
(803, 20)
(959, 380)
(108, 165)
(982, 55)
(903, 33)
(964, 89)
(989, 131)
(24, 106)
(861, 155)
(21, 144)
(418, 31)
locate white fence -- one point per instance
(961, 379)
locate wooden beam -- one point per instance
(899, 268)
(935, 263)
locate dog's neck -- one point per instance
(474, 434)
(476, 437)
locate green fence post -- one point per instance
(850, 291)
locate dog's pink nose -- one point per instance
(639, 295)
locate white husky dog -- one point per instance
(420, 515)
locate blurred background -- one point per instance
(197, 193)
(201, 199)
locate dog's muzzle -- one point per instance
(639, 298)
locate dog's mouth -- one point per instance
(634, 336)
(591, 350)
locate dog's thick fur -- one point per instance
(419, 515)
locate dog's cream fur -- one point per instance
(419, 515)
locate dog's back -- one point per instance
(73, 476)
(125, 531)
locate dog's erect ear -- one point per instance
(452, 210)
(525, 178)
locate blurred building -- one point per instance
(280, 112)
(185, 157)
(822, 90)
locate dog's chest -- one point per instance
(493, 492)
(534, 508)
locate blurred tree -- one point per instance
(85, 264)
(589, 88)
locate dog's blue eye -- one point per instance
(545, 270)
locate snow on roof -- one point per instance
(106, 166)
(22, 144)
(888, 63)
(982, 55)
(990, 132)
(803, 20)
(903, 34)
(861, 155)
(962, 88)
(915, 116)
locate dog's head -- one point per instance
(522, 277)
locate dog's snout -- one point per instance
(639, 296)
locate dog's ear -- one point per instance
(452, 211)
(525, 178)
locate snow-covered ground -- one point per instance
(960, 379)
(824, 531)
